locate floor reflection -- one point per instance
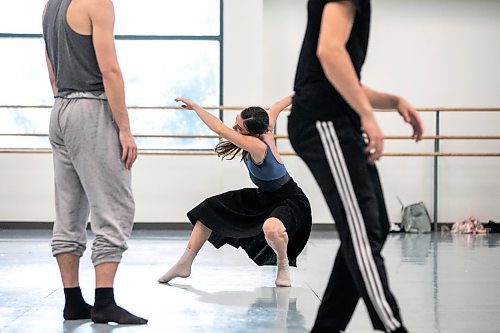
(444, 283)
(415, 248)
(471, 240)
(272, 309)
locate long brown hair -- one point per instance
(256, 122)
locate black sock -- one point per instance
(75, 306)
(105, 309)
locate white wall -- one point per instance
(434, 53)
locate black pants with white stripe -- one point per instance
(333, 151)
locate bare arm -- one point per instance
(246, 142)
(382, 100)
(336, 25)
(102, 17)
(276, 108)
(52, 77)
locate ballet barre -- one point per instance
(239, 108)
(436, 154)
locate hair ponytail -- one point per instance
(227, 149)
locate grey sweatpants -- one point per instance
(89, 177)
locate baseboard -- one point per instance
(30, 225)
(26, 225)
(323, 227)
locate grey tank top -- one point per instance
(71, 54)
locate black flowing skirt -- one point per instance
(236, 218)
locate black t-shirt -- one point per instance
(315, 97)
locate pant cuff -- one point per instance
(107, 259)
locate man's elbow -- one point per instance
(327, 52)
(110, 72)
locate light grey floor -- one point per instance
(444, 283)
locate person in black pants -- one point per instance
(333, 129)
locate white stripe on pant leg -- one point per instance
(342, 190)
(359, 249)
(359, 227)
(349, 210)
(359, 220)
(363, 253)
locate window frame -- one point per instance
(217, 38)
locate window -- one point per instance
(163, 53)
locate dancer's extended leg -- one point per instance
(182, 268)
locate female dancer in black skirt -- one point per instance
(272, 222)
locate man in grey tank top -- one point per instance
(93, 151)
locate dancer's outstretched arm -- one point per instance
(276, 108)
(246, 142)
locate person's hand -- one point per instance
(410, 116)
(188, 104)
(129, 148)
(374, 136)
